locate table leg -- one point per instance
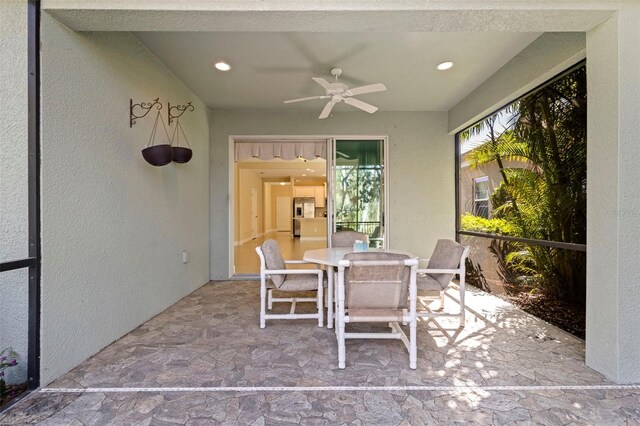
(330, 296)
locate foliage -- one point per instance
(8, 358)
(545, 199)
(474, 275)
(469, 222)
(358, 193)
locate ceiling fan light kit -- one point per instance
(338, 92)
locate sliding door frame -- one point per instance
(331, 154)
(330, 140)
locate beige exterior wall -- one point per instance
(468, 174)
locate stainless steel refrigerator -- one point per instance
(303, 208)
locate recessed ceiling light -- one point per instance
(445, 65)
(222, 66)
(282, 183)
(309, 170)
(303, 175)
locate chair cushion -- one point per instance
(427, 282)
(300, 282)
(446, 255)
(347, 238)
(379, 287)
(273, 260)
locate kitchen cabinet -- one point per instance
(320, 195)
(304, 191)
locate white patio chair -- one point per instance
(377, 287)
(347, 238)
(275, 275)
(447, 260)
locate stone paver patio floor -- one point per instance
(205, 360)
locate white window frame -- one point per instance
(475, 200)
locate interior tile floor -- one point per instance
(204, 360)
(246, 260)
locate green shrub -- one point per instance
(473, 223)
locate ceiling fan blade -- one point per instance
(305, 99)
(327, 110)
(370, 88)
(362, 105)
(322, 82)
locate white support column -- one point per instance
(613, 213)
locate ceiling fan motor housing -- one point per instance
(336, 89)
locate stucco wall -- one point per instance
(613, 209)
(421, 170)
(548, 55)
(113, 226)
(14, 219)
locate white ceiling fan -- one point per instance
(338, 92)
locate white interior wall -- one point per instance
(113, 226)
(247, 180)
(14, 207)
(421, 170)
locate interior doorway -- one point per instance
(254, 213)
(283, 214)
(280, 192)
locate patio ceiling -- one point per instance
(270, 67)
(275, 47)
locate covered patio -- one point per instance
(206, 360)
(120, 299)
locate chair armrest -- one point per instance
(439, 271)
(292, 271)
(297, 262)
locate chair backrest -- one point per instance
(446, 255)
(273, 259)
(375, 280)
(347, 238)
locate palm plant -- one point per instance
(545, 199)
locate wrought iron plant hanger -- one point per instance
(160, 155)
(145, 106)
(180, 110)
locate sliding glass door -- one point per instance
(358, 187)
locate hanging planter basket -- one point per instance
(158, 155)
(181, 154)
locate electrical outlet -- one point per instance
(185, 256)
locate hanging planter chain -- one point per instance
(152, 138)
(158, 155)
(180, 154)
